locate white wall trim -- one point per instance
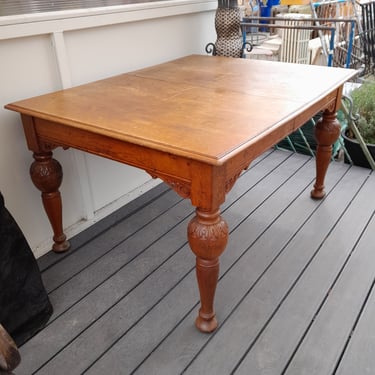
(79, 158)
(58, 43)
(51, 22)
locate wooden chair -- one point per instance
(9, 354)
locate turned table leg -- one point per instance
(46, 174)
(327, 131)
(208, 236)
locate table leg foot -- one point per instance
(46, 174)
(204, 325)
(208, 236)
(207, 276)
(327, 131)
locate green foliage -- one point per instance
(364, 104)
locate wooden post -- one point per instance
(208, 237)
(46, 174)
(327, 131)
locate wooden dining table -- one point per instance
(196, 123)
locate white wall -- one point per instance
(41, 53)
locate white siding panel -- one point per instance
(105, 51)
(27, 68)
(89, 47)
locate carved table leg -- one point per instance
(327, 131)
(9, 354)
(46, 174)
(208, 236)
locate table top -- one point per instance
(202, 107)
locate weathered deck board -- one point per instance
(126, 297)
(124, 281)
(294, 316)
(359, 356)
(321, 349)
(274, 229)
(140, 335)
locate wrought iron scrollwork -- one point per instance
(211, 48)
(247, 46)
(353, 116)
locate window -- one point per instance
(17, 7)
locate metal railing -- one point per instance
(264, 22)
(346, 102)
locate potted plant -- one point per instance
(361, 134)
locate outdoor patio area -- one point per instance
(295, 294)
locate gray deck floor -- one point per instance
(295, 294)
